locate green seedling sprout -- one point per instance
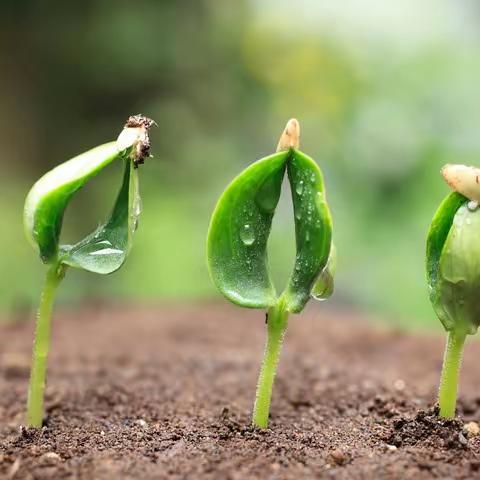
(453, 273)
(237, 247)
(103, 251)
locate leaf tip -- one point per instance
(135, 135)
(290, 137)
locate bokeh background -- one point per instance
(386, 92)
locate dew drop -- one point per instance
(323, 287)
(107, 251)
(472, 205)
(137, 208)
(299, 187)
(247, 235)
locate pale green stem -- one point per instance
(276, 327)
(41, 346)
(447, 395)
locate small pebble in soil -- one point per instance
(399, 385)
(471, 429)
(224, 413)
(391, 448)
(462, 439)
(50, 457)
(141, 423)
(339, 457)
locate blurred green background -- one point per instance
(386, 92)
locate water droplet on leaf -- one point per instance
(247, 235)
(299, 187)
(323, 287)
(472, 205)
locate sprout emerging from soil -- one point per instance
(103, 251)
(237, 247)
(453, 271)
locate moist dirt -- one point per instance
(166, 393)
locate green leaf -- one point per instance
(458, 282)
(313, 229)
(437, 236)
(47, 200)
(105, 250)
(240, 227)
(239, 230)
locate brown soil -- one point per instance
(153, 394)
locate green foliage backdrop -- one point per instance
(385, 92)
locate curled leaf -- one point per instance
(437, 235)
(47, 200)
(313, 228)
(459, 277)
(241, 223)
(453, 264)
(104, 250)
(239, 230)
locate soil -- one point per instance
(148, 393)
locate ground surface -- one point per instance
(153, 394)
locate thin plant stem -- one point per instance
(447, 395)
(41, 346)
(277, 321)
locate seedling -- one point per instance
(237, 247)
(453, 272)
(103, 251)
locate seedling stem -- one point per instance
(54, 276)
(447, 396)
(277, 321)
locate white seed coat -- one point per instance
(463, 179)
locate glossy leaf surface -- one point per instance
(437, 236)
(239, 230)
(458, 285)
(241, 223)
(313, 228)
(105, 250)
(47, 200)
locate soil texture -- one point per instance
(166, 393)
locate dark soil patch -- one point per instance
(154, 394)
